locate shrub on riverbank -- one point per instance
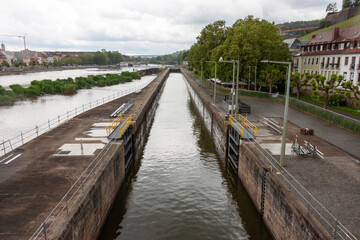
(66, 86)
(6, 96)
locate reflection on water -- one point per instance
(181, 190)
(25, 115)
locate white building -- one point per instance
(333, 52)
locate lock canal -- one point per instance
(179, 188)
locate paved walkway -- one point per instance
(334, 181)
(32, 184)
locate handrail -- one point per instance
(125, 119)
(10, 144)
(245, 122)
(236, 125)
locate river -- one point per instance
(27, 114)
(180, 189)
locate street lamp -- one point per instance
(283, 141)
(214, 80)
(232, 90)
(201, 62)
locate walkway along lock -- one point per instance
(121, 129)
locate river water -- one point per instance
(26, 78)
(25, 115)
(180, 189)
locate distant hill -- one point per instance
(351, 22)
(296, 25)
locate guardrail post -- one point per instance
(82, 148)
(4, 147)
(10, 144)
(44, 230)
(67, 208)
(83, 108)
(58, 118)
(22, 138)
(90, 105)
(75, 111)
(49, 123)
(37, 130)
(67, 114)
(335, 229)
(97, 102)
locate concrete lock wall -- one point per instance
(146, 117)
(88, 213)
(212, 120)
(284, 214)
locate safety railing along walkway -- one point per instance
(119, 126)
(24, 137)
(243, 126)
(62, 207)
(320, 212)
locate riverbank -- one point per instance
(49, 69)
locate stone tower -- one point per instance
(3, 47)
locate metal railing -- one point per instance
(236, 125)
(59, 210)
(320, 212)
(334, 117)
(125, 119)
(327, 219)
(64, 204)
(246, 123)
(24, 137)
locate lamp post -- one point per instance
(232, 90)
(255, 78)
(249, 78)
(214, 80)
(283, 140)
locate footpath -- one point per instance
(47, 166)
(335, 180)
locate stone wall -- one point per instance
(342, 15)
(284, 214)
(213, 121)
(146, 117)
(87, 215)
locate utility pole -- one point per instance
(255, 77)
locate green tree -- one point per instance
(101, 58)
(331, 7)
(347, 4)
(270, 76)
(300, 81)
(353, 91)
(249, 40)
(5, 64)
(326, 87)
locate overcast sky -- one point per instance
(134, 27)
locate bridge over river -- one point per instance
(170, 177)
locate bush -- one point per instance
(324, 24)
(68, 89)
(337, 100)
(32, 91)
